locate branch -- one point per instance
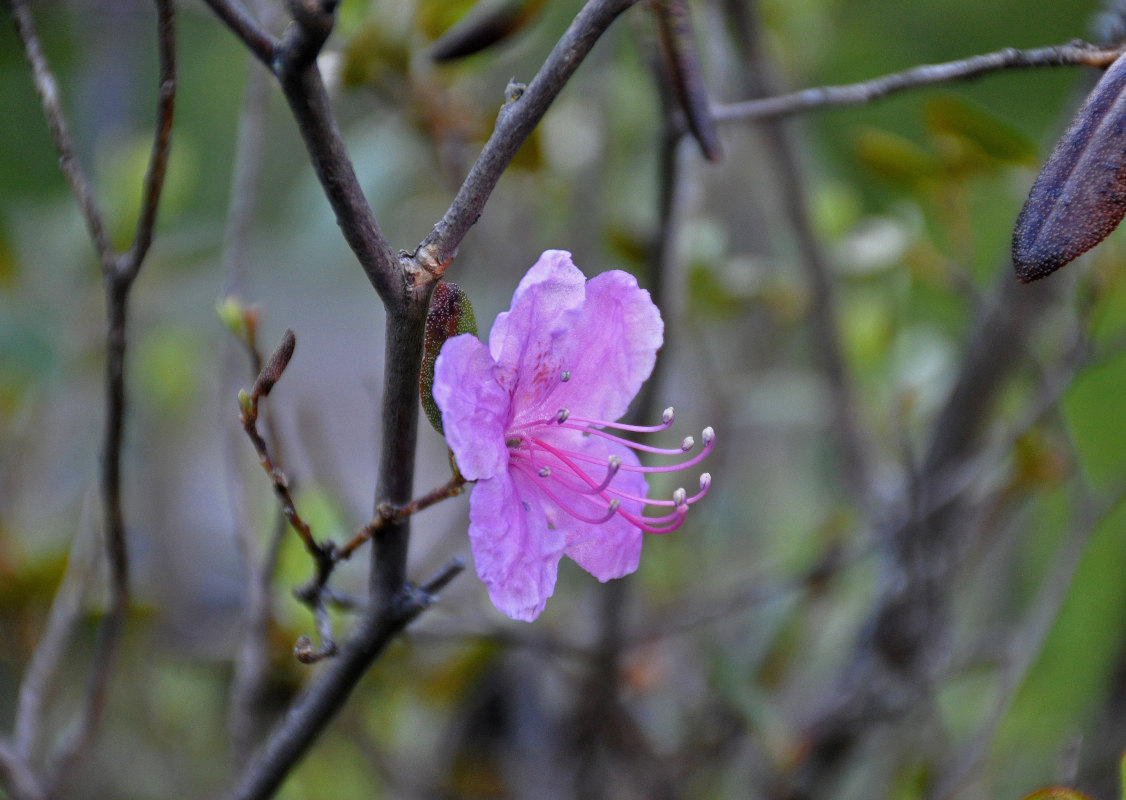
(320, 703)
(296, 69)
(823, 316)
(119, 271)
(853, 94)
(48, 89)
(256, 38)
(518, 117)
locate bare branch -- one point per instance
(256, 38)
(303, 724)
(48, 90)
(854, 94)
(65, 611)
(296, 69)
(17, 777)
(517, 119)
(823, 316)
(161, 145)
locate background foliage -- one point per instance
(736, 632)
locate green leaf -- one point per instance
(894, 159)
(993, 137)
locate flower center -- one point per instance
(588, 488)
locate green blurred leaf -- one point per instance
(894, 159)
(1093, 409)
(1057, 793)
(954, 116)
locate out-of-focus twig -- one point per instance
(65, 611)
(119, 271)
(855, 94)
(256, 38)
(685, 72)
(824, 318)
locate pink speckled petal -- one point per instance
(515, 553)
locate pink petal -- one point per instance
(475, 407)
(611, 349)
(544, 307)
(515, 553)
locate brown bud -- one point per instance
(275, 366)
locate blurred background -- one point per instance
(907, 580)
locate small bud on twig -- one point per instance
(274, 368)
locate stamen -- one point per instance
(687, 444)
(561, 416)
(545, 472)
(667, 415)
(566, 376)
(612, 507)
(680, 497)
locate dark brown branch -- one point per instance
(678, 44)
(256, 38)
(303, 724)
(516, 121)
(853, 94)
(304, 90)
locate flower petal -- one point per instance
(515, 553)
(609, 351)
(523, 339)
(475, 407)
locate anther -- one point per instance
(680, 497)
(561, 417)
(705, 481)
(687, 444)
(566, 376)
(708, 435)
(667, 415)
(545, 472)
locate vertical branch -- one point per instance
(825, 327)
(119, 272)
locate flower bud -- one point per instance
(450, 314)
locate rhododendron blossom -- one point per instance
(532, 418)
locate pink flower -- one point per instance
(527, 418)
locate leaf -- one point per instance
(486, 24)
(1057, 793)
(1079, 197)
(895, 159)
(995, 138)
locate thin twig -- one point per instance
(119, 271)
(256, 38)
(303, 724)
(17, 777)
(854, 94)
(515, 123)
(65, 611)
(823, 314)
(389, 514)
(48, 88)
(251, 667)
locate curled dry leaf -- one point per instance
(1079, 196)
